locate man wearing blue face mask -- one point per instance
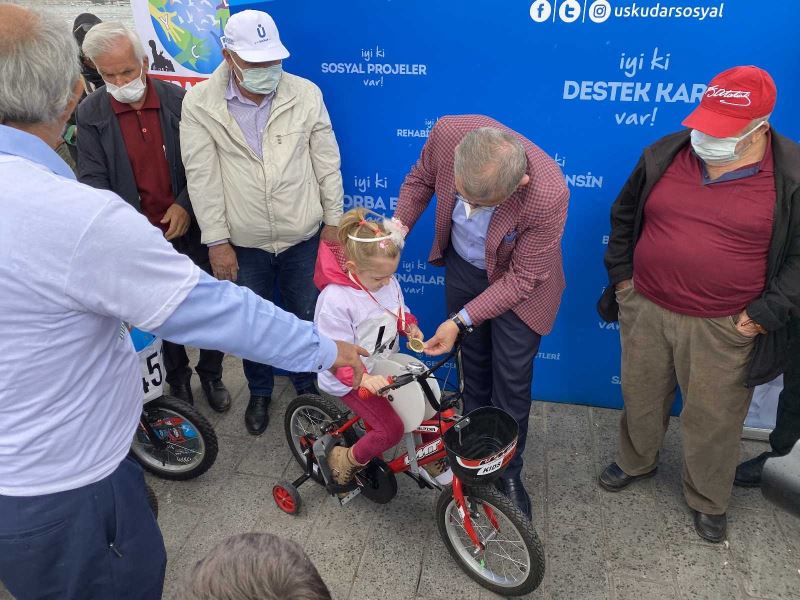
(704, 269)
(262, 165)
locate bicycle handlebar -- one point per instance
(399, 381)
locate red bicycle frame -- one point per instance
(428, 452)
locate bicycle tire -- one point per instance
(322, 405)
(200, 424)
(499, 503)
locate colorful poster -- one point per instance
(183, 38)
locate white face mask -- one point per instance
(131, 92)
(717, 151)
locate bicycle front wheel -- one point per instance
(190, 443)
(511, 562)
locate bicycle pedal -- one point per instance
(345, 499)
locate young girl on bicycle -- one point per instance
(361, 302)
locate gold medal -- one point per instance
(415, 345)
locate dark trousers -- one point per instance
(497, 356)
(100, 541)
(176, 362)
(787, 424)
(293, 271)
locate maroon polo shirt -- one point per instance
(144, 141)
(704, 244)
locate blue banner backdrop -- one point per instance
(590, 82)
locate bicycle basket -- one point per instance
(481, 444)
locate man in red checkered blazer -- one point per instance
(500, 213)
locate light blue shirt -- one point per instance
(468, 236)
(251, 117)
(24, 145)
(468, 233)
(225, 316)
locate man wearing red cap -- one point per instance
(704, 265)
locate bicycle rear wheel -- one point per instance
(512, 561)
(306, 419)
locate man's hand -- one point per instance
(747, 327)
(329, 233)
(443, 339)
(223, 261)
(624, 284)
(179, 221)
(374, 382)
(348, 356)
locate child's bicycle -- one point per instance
(489, 537)
(173, 440)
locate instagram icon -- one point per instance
(599, 11)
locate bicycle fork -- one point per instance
(466, 518)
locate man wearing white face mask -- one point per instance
(129, 144)
(704, 269)
(263, 172)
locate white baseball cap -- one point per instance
(253, 35)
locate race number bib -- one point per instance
(151, 363)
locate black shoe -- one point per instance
(516, 492)
(748, 474)
(256, 416)
(217, 394)
(182, 391)
(712, 528)
(614, 479)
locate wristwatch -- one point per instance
(462, 326)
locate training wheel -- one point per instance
(286, 497)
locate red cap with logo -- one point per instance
(733, 99)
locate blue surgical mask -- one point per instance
(260, 80)
(717, 151)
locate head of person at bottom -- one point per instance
(372, 246)
(489, 166)
(118, 55)
(255, 566)
(730, 126)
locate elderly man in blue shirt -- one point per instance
(76, 263)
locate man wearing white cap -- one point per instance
(262, 166)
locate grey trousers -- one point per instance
(707, 358)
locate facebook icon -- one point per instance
(541, 10)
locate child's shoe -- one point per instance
(343, 464)
(440, 471)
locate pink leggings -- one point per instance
(386, 427)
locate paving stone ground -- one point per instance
(635, 545)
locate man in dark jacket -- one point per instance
(787, 421)
(129, 142)
(704, 265)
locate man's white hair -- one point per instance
(104, 37)
(489, 164)
(38, 70)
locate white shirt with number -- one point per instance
(74, 263)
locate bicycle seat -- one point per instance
(404, 360)
(408, 401)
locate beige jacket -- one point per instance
(273, 203)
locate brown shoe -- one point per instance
(343, 464)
